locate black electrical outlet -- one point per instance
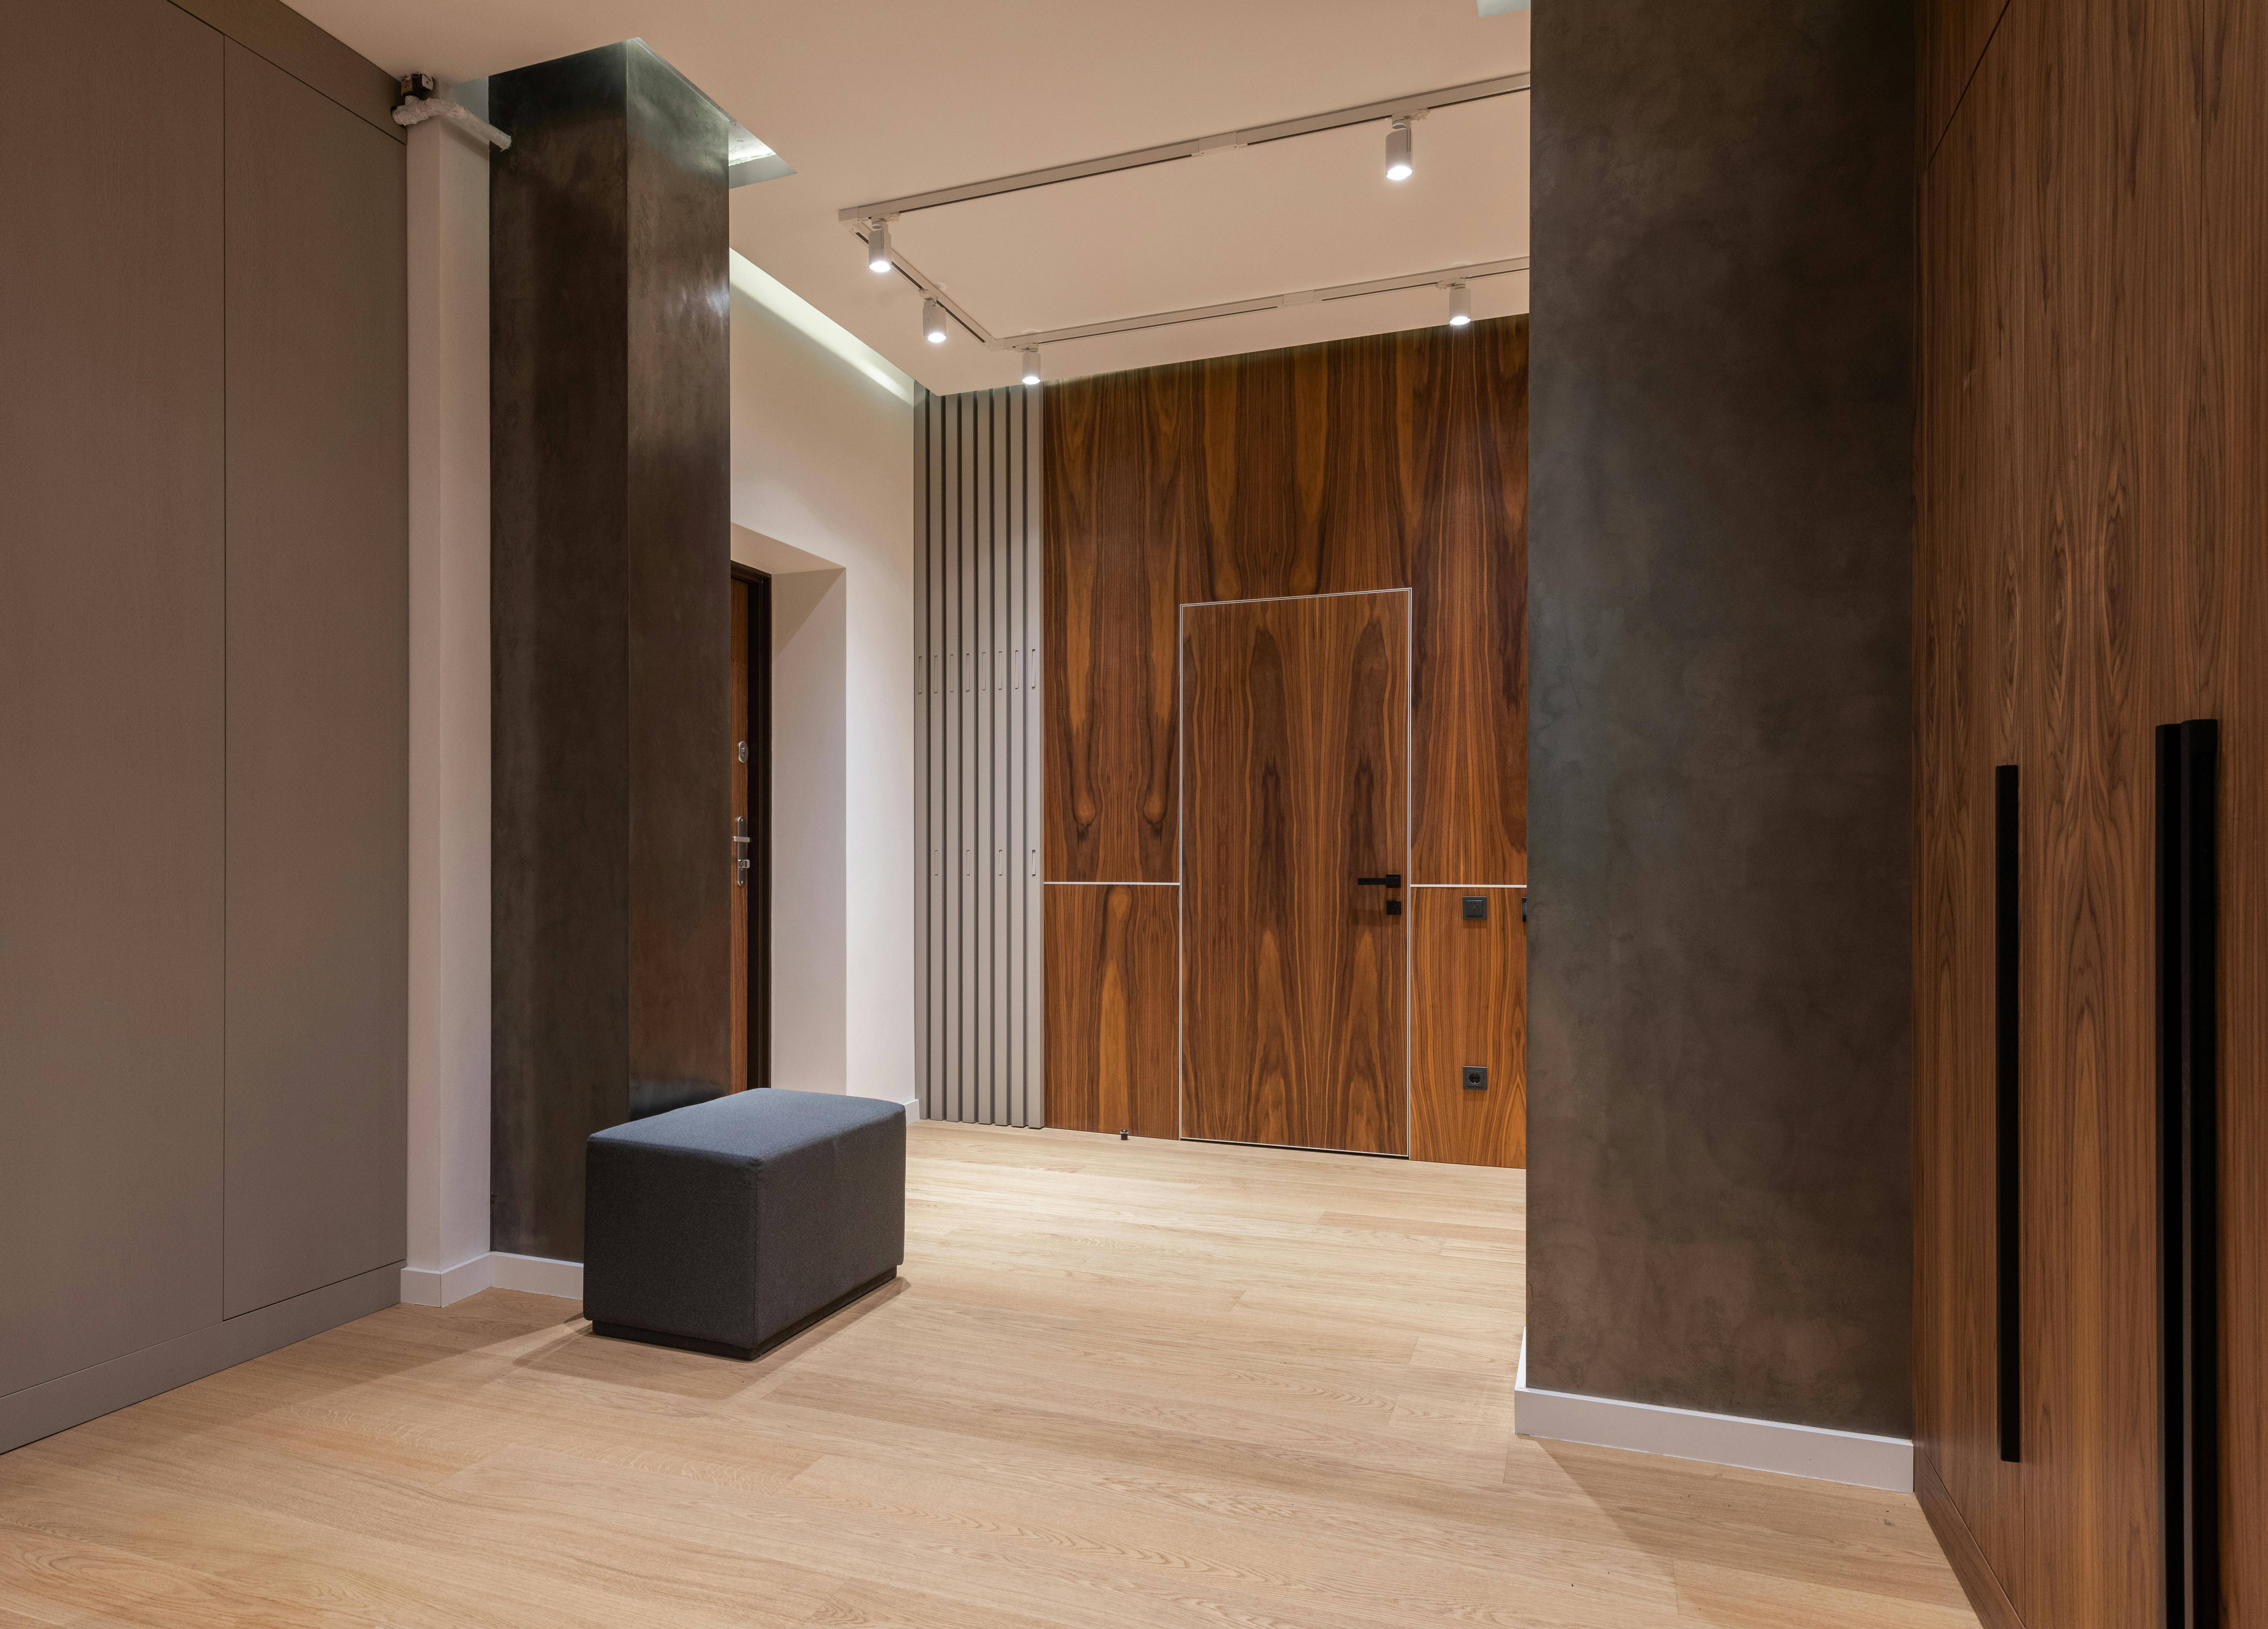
(1477, 907)
(1476, 1077)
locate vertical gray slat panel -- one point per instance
(1011, 695)
(933, 454)
(964, 950)
(921, 750)
(1035, 557)
(1012, 960)
(983, 908)
(994, 768)
(949, 531)
(1033, 727)
(981, 875)
(924, 963)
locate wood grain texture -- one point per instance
(1949, 40)
(1393, 461)
(1122, 484)
(2220, 603)
(1464, 402)
(2090, 504)
(1292, 993)
(1469, 1005)
(1119, 1383)
(1978, 1582)
(1112, 1008)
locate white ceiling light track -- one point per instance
(872, 221)
(1453, 277)
(1402, 107)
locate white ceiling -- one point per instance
(871, 99)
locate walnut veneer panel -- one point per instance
(1123, 489)
(1396, 460)
(1113, 980)
(1949, 40)
(1463, 431)
(2090, 508)
(1469, 1005)
(1292, 992)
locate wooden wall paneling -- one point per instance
(1113, 1008)
(1469, 1005)
(1123, 489)
(1972, 533)
(1949, 37)
(1460, 408)
(111, 703)
(2226, 604)
(2090, 1554)
(318, 690)
(1294, 976)
(1304, 455)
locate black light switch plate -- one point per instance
(1477, 907)
(1476, 1077)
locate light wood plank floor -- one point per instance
(1118, 1383)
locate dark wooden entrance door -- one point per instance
(750, 857)
(1295, 718)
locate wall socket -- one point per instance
(1476, 1077)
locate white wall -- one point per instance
(823, 498)
(448, 272)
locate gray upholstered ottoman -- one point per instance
(729, 1226)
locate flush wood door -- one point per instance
(1296, 784)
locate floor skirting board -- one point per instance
(1813, 1451)
(539, 1275)
(71, 1399)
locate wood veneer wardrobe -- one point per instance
(2091, 891)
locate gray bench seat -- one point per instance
(730, 1226)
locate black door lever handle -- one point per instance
(1392, 879)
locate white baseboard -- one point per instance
(1815, 1451)
(913, 1108)
(539, 1275)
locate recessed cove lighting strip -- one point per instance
(1403, 107)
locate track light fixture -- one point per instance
(1398, 167)
(1031, 365)
(932, 321)
(1461, 305)
(878, 246)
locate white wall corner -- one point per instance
(449, 806)
(1813, 1451)
(539, 1275)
